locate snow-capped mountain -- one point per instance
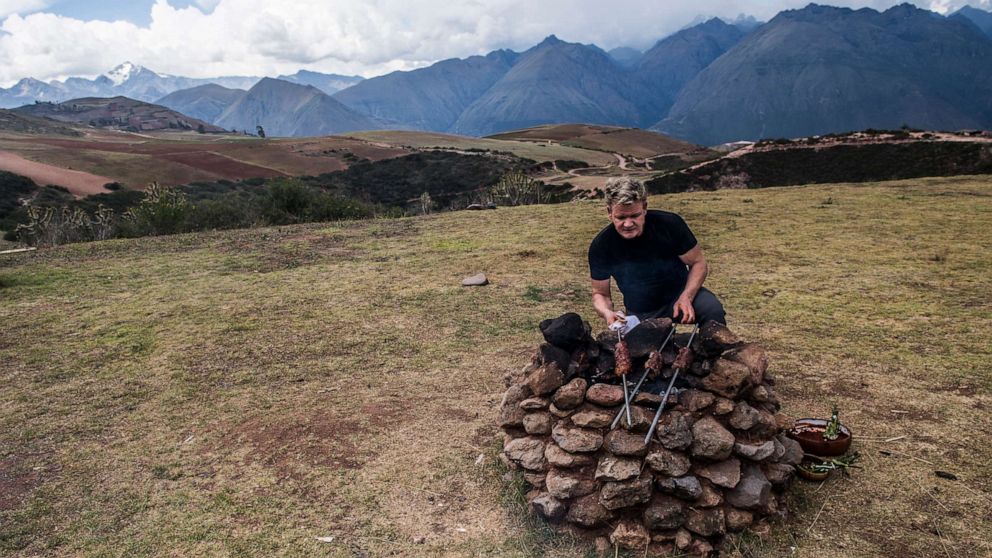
(122, 73)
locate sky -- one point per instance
(55, 39)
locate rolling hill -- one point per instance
(287, 109)
(116, 113)
(206, 102)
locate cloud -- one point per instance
(11, 7)
(209, 38)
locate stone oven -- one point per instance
(718, 461)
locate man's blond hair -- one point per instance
(624, 190)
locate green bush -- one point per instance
(163, 211)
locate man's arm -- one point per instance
(683, 311)
(602, 300)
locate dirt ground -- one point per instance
(78, 182)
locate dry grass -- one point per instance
(526, 149)
(242, 393)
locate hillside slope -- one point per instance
(824, 69)
(288, 109)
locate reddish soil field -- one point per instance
(220, 165)
(78, 182)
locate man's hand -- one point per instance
(683, 312)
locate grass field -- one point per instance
(527, 149)
(242, 393)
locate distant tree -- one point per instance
(200, 129)
(260, 131)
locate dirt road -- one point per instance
(78, 182)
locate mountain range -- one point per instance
(810, 71)
(140, 83)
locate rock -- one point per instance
(727, 378)
(765, 425)
(527, 452)
(687, 487)
(560, 413)
(537, 423)
(564, 484)
(755, 452)
(558, 457)
(603, 547)
(641, 418)
(713, 339)
(475, 280)
(577, 439)
(752, 356)
(763, 394)
(607, 395)
(666, 462)
(605, 365)
(617, 468)
(588, 512)
(695, 400)
(518, 377)
(567, 331)
(535, 479)
(673, 431)
(647, 336)
(548, 507)
(592, 417)
(779, 451)
(778, 474)
(711, 440)
(616, 495)
(571, 394)
(722, 406)
(752, 492)
(744, 416)
(707, 522)
(700, 547)
(534, 404)
(650, 399)
(510, 413)
(784, 422)
(793, 451)
(630, 535)
(712, 496)
(619, 442)
(737, 520)
(723, 473)
(548, 353)
(545, 379)
(683, 539)
(664, 512)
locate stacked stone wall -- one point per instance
(717, 463)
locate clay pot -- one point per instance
(809, 433)
(811, 475)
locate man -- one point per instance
(655, 259)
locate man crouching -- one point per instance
(655, 259)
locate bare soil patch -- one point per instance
(78, 182)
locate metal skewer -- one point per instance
(637, 388)
(626, 396)
(671, 384)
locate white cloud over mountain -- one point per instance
(368, 37)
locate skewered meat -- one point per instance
(622, 355)
(684, 359)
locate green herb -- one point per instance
(828, 465)
(833, 427)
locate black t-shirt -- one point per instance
(647, 269)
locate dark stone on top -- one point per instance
(567, 331)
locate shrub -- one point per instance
(163, 211)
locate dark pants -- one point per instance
(706, 305)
